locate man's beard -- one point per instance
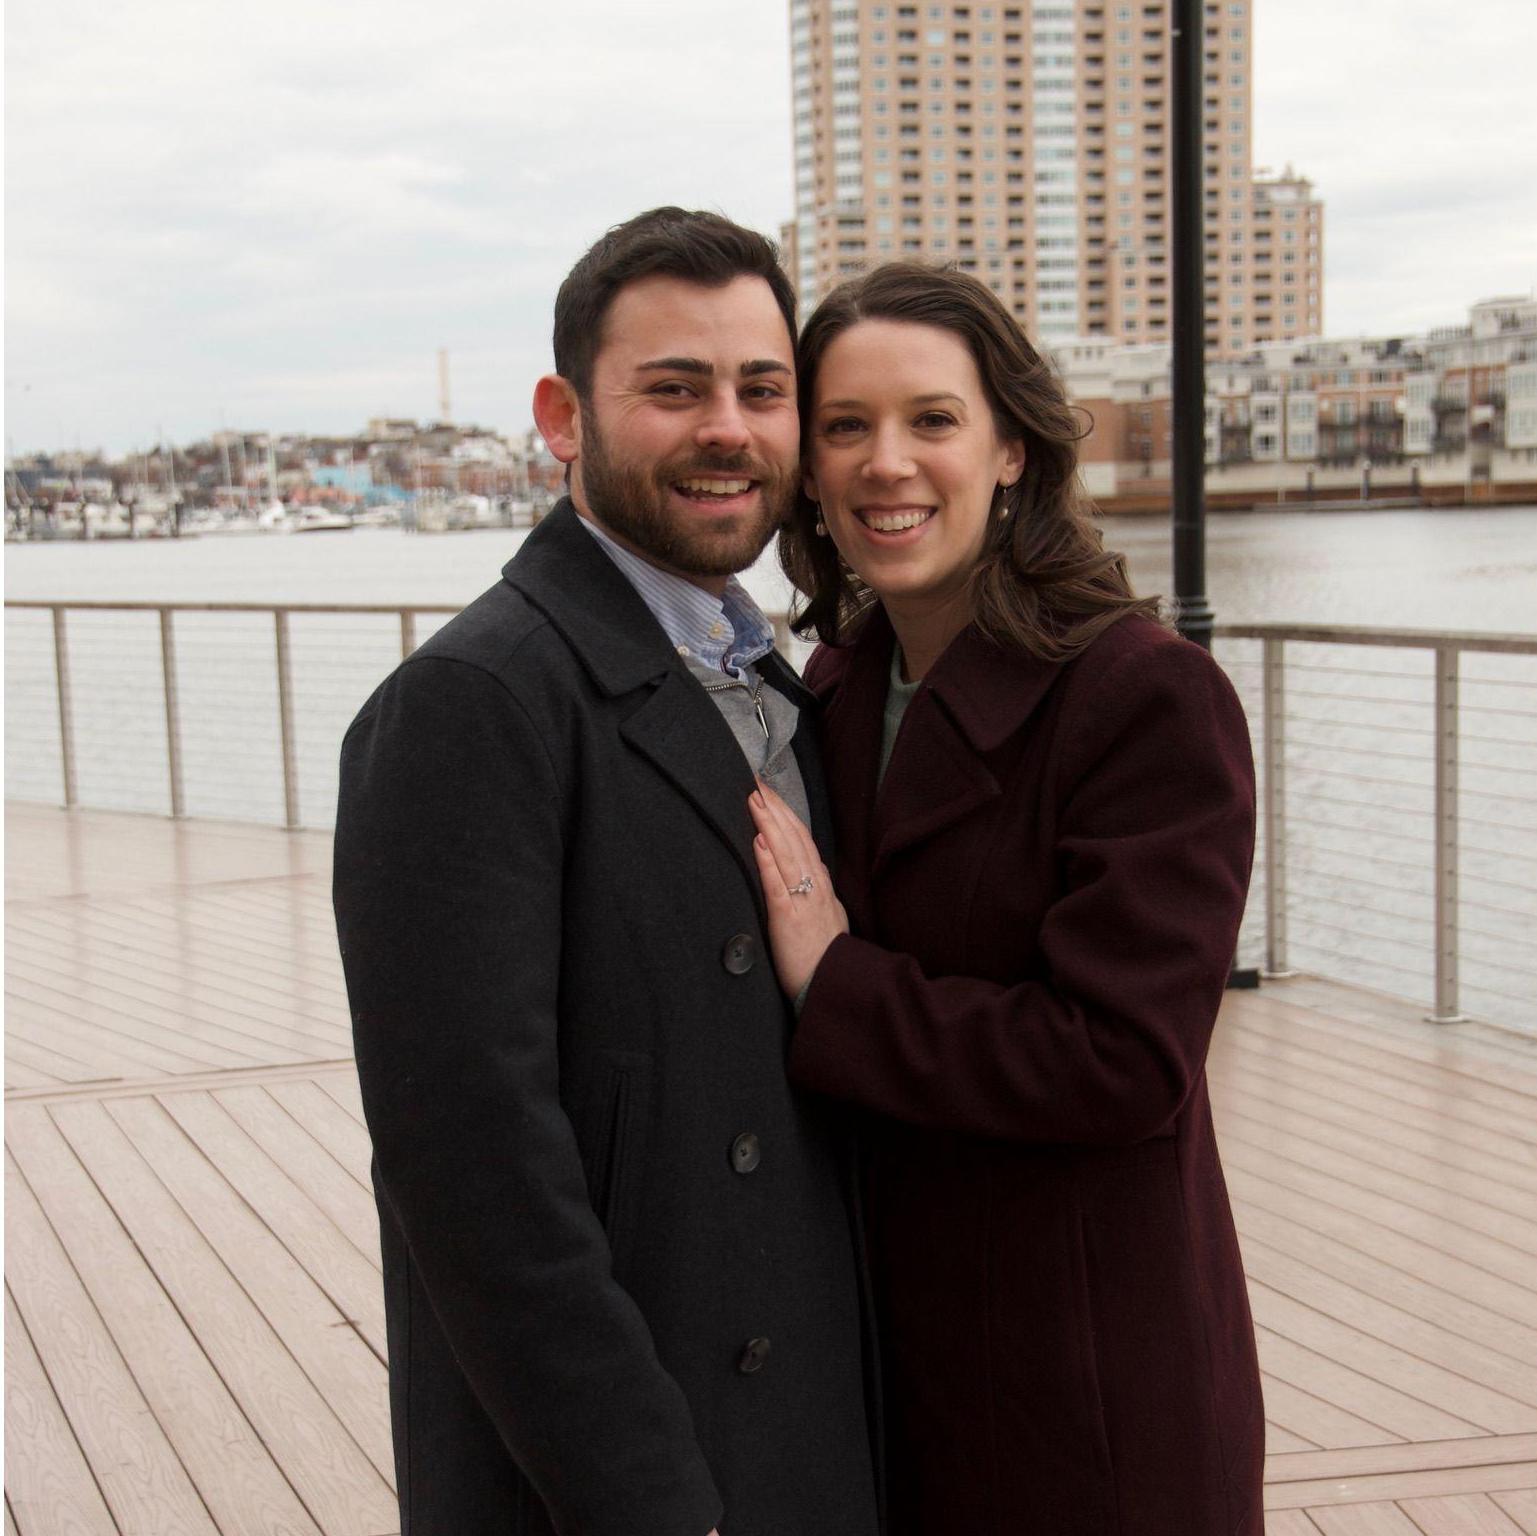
(634, 503)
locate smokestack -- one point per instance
(445, 409)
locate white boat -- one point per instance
(318, 520)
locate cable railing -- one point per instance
(1397, 845)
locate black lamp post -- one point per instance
(1188, 94)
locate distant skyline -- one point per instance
(277, 226)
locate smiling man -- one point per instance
(622, 1282)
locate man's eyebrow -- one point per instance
(676, 365)
(748, 370)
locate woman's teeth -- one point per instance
(894, 522)
(715, 487)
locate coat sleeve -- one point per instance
(1103, 1044)
(448, 875)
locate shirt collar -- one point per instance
(727, 632)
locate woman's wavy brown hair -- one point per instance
(1045, 584)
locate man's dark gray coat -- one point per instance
(620, 1275)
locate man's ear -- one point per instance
(558, 416)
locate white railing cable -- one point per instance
(1398, 812)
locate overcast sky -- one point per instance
(272, 216)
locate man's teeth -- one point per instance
(716, 487)
(894, 522)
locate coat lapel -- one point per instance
(562, 570)
(681, 732)
(975, 698)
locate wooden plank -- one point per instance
(208, 928)
(110, 1043)
(1326, 1424)
(19, 1075)
(1512, 1373)
(1356, 1156)
(245, 1030)
(46, 1060)
(1376, 1519)
(183, 1082)
(329, 1124)
(49, 1487)
(1404, 1069)
(1282, 1442)
(347, 1275)
(134, 1036)
(170, 950)
(144, 1484)
(343, 1087)
(1463, 1514)
(167, 969)
(1349, 1235)
(1289, 1522)
(1391, 1364)
(1406, 1047)
(1392, 1023)
(347, 1202)
(1424, 1297)
(350, 1376)
(340, 1490)
(1314, 1370)
(1315, 1496)
(1492, 1451)
(1521, 1505)
(1445, 1148)
(236, 1479)
(1293, 1165)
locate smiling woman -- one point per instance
(1044, 809)
(919, 398)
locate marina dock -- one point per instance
(194, 1329)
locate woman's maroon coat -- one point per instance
(1044, 897)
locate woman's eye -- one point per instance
(841, 425)
(936, 419)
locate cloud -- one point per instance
(287, 210)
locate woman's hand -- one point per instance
(804, 913)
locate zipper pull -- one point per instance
(757, 704)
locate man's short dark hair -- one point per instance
(699, 247)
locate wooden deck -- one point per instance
(194, 1335)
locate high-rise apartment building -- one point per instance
(1030, 142)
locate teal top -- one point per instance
(898, 696)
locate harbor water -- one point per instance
(1359, 753)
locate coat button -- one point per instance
(739, 954)
(754, 1353)
(746, 1153)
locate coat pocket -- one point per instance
(621, 1093)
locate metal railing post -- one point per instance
(66, 712)
(286, 720)
(407, 632)
(1274, 673)
(172, 712)
(1446, 1010)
